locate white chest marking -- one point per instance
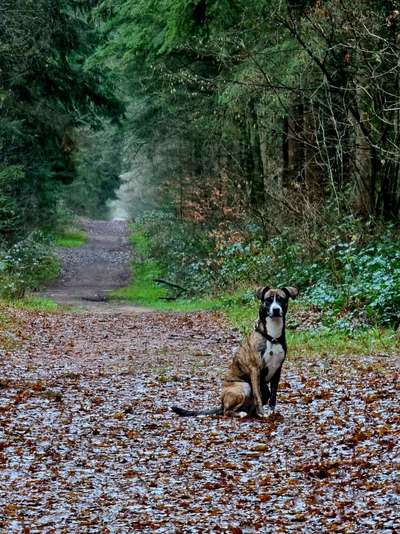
(274, 354)
(274, 326)
(273, 361)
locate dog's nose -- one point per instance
(276, 312)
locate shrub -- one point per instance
(27, 265)
(365, 282)
(10, 215)
(354, 275)
(179, 247)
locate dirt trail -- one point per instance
(88, 443)
(90, 272)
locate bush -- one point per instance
(354, 276)
(179, 247)
(27, 265)
(364, 285)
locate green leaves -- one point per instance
(26, 265)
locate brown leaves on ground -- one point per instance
(88, 443)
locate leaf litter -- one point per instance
(88, 442)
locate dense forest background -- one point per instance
(250, 140)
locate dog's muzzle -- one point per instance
(271, 310)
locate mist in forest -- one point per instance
(134, 193)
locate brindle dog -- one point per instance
(258, 361)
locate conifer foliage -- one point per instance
(263, 137)
(45, 93)
(286, 100)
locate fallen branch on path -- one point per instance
(160, 281)
(172, 285)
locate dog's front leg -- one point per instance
(274, 388)
(255, 385)
(264, 388)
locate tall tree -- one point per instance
(45, 93)
(292, 103)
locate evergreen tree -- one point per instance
(45, 94)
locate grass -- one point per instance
(31, 302)
(373, 341)
(70, 238)
(143, 291)
(322, 341)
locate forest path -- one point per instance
(95, 269)
(88, 442)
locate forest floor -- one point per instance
(88, 442)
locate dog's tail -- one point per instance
(192, 413)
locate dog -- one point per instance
(258, 362)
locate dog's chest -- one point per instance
(273, 358)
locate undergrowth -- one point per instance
(336, 332)
(27, 265)
(30, 263)
(350, 271)
(143, 290)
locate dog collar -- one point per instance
(273, 340)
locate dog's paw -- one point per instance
(267, 412)
(261, 413)
(242, 414)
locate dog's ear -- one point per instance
(260, 293)
(290, 292)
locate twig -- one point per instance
(160, 281)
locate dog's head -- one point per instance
(274, 302)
